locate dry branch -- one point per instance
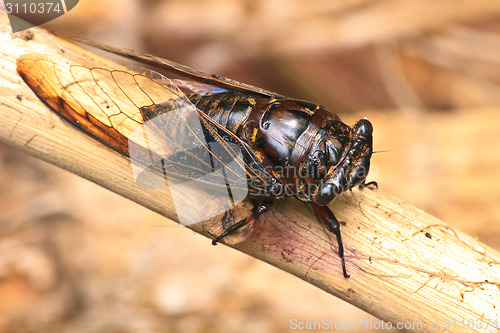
(405, 265)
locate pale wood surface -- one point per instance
(397, 272)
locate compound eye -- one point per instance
(326, 193)
(363, 128)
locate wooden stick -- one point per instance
(407, 267)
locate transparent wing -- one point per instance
(151, 121)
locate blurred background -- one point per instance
(77, 258)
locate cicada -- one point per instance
(231, 137)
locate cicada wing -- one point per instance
(153, 123)
(103, 103)
(207, 154)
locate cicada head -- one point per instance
(339, 159)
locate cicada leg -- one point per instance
(325, 216)
(228, 219)
(260, 207)
(372, 183)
